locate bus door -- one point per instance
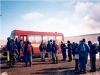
(23, 37)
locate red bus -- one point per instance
(36, 37)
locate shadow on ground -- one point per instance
(55, 71)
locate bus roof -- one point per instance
(22, 32)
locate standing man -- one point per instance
(19, 47)
(55, 53)
(49, 49)
(42, 48)
(99, 45)
(83, 55)
(63, 48)
(93, 51)
(76, 57)
(8, 50)
(69, 47)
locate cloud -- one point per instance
(84, 19)
(92, 20)
(83, 7)
(88, 14)
(31, 16)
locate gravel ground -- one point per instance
(40, 68)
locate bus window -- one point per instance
(45, 38)
(31, 38)
(38, 38)
(24, 38)
(21, 37)
(51, 38)
(59, 39)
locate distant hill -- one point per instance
(91, 37)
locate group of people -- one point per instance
(77, 51)
(52, 51)
(80, 52)
(18, 51)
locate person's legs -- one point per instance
(81, 64)
(26, 64)
(84, 63)
(49, 56)
(56, 57)
(70, 55)
(64, 55)
(13, 59)
(26, 60)
(53, 57)
(19, 55)
(30, 60)
(43, 55)
(94, 63)
(91, 63)
(76, 64)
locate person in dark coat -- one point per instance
(69, 47)
(99, 46)
(49, 50)
(73, 49)
(19, 47)
(93, 51)
(42, 48)
(55, 53)
(11, 48)
(8, 46)
(63, 49)
(76, 57)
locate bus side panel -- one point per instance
(36, 51)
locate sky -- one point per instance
(70, 17)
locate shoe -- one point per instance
(63, 60)
(69, 60)
(82, 72)
(92, 70)
(76, 71)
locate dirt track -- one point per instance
(40, 68)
